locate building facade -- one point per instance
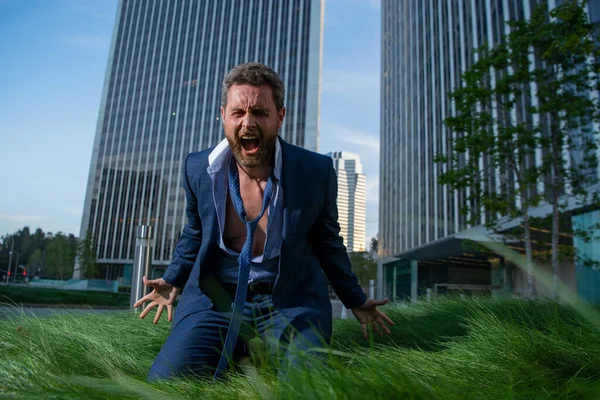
(161, 100)
(426, 47)
(351, 199)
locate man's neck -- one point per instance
(260, 173)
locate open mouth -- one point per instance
(250, 144)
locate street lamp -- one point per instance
(12, 246)
(16, 265)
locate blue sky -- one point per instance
(53, 58)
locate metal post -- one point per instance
(16, 266)
(379, 278)
(12, 247)
(371, 288)
(142, 261)
(414, 273)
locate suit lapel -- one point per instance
(293, 183)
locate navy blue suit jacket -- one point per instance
(311, 242)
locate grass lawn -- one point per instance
(33, 295)
(447, 349)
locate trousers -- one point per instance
(194, 345)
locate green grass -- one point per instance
(32, 295)
(449, 348)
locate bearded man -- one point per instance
(260, 245)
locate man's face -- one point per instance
(251, 122)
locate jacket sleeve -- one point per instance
(190, 240)
(328, 246)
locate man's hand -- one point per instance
(369, 314)
(163, 295)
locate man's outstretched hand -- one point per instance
(368, 314)
(163, 295)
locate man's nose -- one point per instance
(248, 120)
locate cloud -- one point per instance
(22, 218)
(373, 190)
(361, 140)
(72, 209)
(353, 136)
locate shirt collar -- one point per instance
(217, 159)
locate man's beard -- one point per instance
(263, 157)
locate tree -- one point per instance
(86, 251)
(374, 245)
(488, 142)
(61, 251)
(25, 244)
(564, 41)
(506, 165)
(36, 261)
(25, 249)
(363, 266)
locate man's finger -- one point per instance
(170, 313)
(141, 301)
(386, 318)
(158, 313)
(147, 309)
(381, 302)
(138, 303)
(376, 329)
(363, 327)
(382, 325)
(149, 282)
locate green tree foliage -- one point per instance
(35, 262)
(25, 244)
(548, 68)
(86, 251)
(34, 252)
(61, 251)
(363, 266)
(374, 245)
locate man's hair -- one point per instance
(254, 74)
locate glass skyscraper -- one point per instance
(351, 199)
(426, 46)
(161, 101)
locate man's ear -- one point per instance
(280, 117)
(222, 115)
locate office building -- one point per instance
(351, 199)
(161, 100)
(426, 46)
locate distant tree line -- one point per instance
(46, 255)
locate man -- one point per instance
(262, 228)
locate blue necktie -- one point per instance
(244, 260)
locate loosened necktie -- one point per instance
(244, 260)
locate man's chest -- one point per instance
(234, 226)
(234, 230)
